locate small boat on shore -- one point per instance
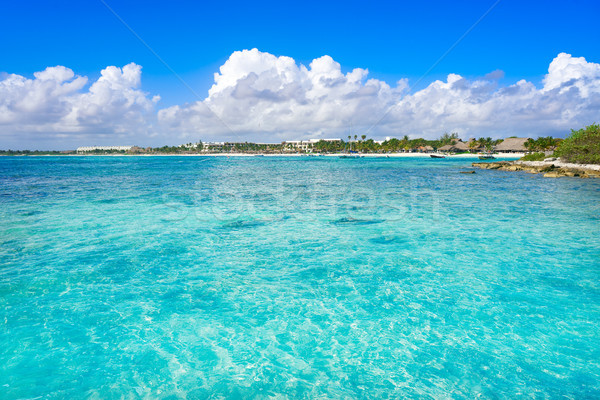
(437, 156)
(487, 157)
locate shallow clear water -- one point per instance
(191, 277)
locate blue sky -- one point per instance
(393, 40)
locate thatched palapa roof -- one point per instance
(512, 144)
(458, 145)
(461, 146)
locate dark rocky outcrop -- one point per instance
(548, 169)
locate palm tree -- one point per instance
(486, 143)
(363, 137)
(473, 144)
(530, 145)
(404, 145)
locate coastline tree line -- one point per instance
(359, 144)
(581, 146)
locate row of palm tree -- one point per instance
(542, 143)
(362, 137)
(486, 143)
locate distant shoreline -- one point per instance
(312, 155)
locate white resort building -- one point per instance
(306, 145)
(212, 146)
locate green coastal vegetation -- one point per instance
(35, 152)
(538, 148)
(393, 145)
(542, 144)
(534, 157)
(581, 146)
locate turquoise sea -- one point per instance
(295, 278)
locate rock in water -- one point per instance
(553, 174)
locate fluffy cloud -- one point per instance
(569, 98)
(262, 96)
(271, 98)
(566, 71)
(55, 104)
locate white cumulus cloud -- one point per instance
(261, 96)
(55, 104)
(271, 98)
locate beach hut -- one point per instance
(457, 146)
(461, 146)
(512, 145)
